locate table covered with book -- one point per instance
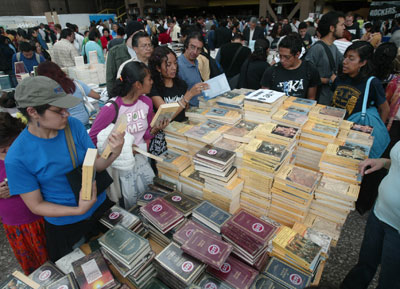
(252, 193)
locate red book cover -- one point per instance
(91, 272)
(186, 231)
(235, 273)
(207, 248)
(161, 214)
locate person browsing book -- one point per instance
(169, 88)
(39, 159)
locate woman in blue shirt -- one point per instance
(92, 45)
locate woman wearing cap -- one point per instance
(39, 159)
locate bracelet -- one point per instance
(183, 98)
(181, 104)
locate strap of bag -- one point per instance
(116, 110)
(330, 56)
(71, 145)
(84, 96)
(234, 58)
(365, 100)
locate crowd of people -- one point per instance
(329, 59)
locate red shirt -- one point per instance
(164, 38)
(104, 41)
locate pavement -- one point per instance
(342, 258)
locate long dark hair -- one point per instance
(133, 71)
(260, 50)
(53, 71)
(159, 55)
(383, 59)
(10, 128)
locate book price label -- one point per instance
(295, 279)
(157, 208)
(210, 285)
(257, 227)
(187, 266)
(213, 249)
(212, 152)
(113, 215)
(189, 233)
(45, 275)
(148, 196)
(176, 198)
(225, 268)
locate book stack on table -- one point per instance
(232, 100)
(173, 164)
(174, 136)
(118, 216)
(225, 116)
(191, 182)
(233, 146)
(261, 104)
(47, 274)
(186, 231)
(176, 268)
(250, 237)
(292, 194)
(289, 118)
(211, 216)
(350, 132)
(325, 226)
(327, 115)
(129, 253)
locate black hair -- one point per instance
(327, 20)
(383, 59)
(120, 31)
(40, 109)
(223, 23)
(30, 33)
(133, 71)
(137, 36)
(274, 31)
(376, 27)
(25, 47)
(293, 42)
(260, 50)
(106, 29)
(7, 99)
(286, 29)
(161, 29)
(93, 34)
(302, 25)
(66, 32)
(193, 35)
(238, 36)
(159, 55)
(367, 25)
(10, 128)
(365, 51)
(12, 32)
(22, 33)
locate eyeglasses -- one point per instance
(63, 112)
(146, 46)
(194, 48)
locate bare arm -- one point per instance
(384, 110)
(94, 94)
(312, 92)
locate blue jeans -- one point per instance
(381, 245)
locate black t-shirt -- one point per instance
(307, 41)
(172, 94)
(294, 82)
(349, 94)
(251, 74)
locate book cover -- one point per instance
(182, 202)
(264, 282)
(209, 282)
(148, 196)
(298, 109)
(165, 112)
(161, 213)
(268, 149)
(242, 128)
(229, 94)
(286, 275)
(123, 242)
(264, 96)
(219, 112)
(179, 264)
(301, 101)
(88, 174)
(212, 214)
(298, 176)
(18, 280)
(235, 273)
(46, 274)
(227, 144)
(65, 262)
(186, 231)
(116, 215)
(66, 282)
(155, 283)
(92, 271)
(207, 248)
(215, 154)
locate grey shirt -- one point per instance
(317, 56)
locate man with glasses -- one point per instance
(292, 75)
(188, 64)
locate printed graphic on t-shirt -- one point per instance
(172, 99)
(346, 97)
(292, 87)
(136, 121)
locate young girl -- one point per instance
(24, 230)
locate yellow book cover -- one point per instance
(300, 177)
(318, 129)
(301, 102)
(296, 119)
(338, 188)
(165, 112)
(328, 112)
(349, 153)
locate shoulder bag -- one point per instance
(90, 109)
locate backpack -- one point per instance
(18, 56)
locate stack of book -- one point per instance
(334, 199)
(292, 248)
(325, 226)
(292, 194)
(299, 104)
(204, 133)
(191, 182)
(261, 104)
(172, 164)
(233, 146)
(118, 216)
(162, 217)
(232, 100)
(174, 136)
(128, 252)
(183, 203)
(176, 268)
(46, 274)
(355, 133)
(223, 115)
(92, 268)
(235, 273)
(327, 115)
(341, 161)
(249, 237)
(313, 140)
(211, 216)
(289, 118)
(280, 134)
(241, 132)
(187, 229)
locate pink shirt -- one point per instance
(139, 116)
(13, 210)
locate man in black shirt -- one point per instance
(292, 75)
(305, 37)
(351, 26)
(222, 34)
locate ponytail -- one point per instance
(133, 71)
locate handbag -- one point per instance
(74, 177)
(90, 109)
(372, 118)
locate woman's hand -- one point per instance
(84, 205)
(116, 141)
(374, 164)
(160, 125)
(197, 88)
(4, 191)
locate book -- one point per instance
(164, 112)
(92, 269)
(20, 281)
(286, 275)
(88, 174)
(116, 215)
(207, 248)
(46, 274)
(302, 102)
(215, 154)
(186, 231)
(65, 262)
(120, 126)
(148, 196)
(264, 282)
(146, 154)
(211, 215)
(264, 96)
(155, 283)
(66, 282)
(209, 282)
(241, 132)
(182, 202)
(290, 117)
(235, 273)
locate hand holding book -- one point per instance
(197, 89)
(84, 205)
(371, 165)
(160, 125)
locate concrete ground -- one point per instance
(341, 259)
